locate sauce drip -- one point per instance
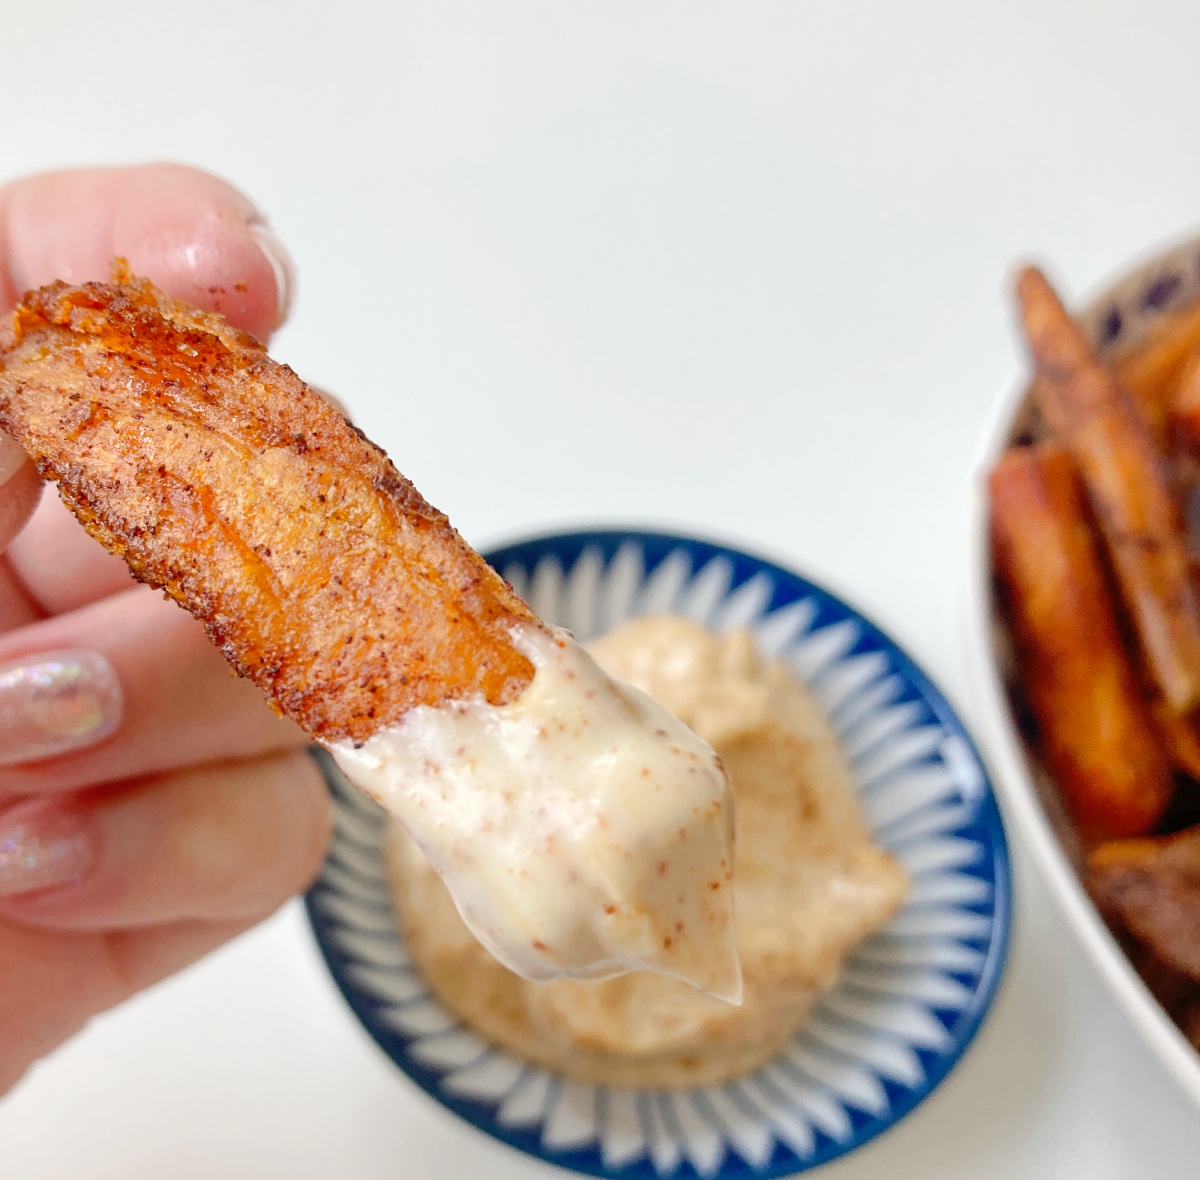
(579, 828)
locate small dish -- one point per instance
(910, 1000)
(1118, 317)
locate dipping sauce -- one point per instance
(581, 829)
(809, 885)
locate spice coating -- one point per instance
(220, 477)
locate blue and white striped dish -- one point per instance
(909, 1001)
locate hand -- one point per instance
(151, 804)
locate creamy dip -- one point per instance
(808, 881)
(581, 829)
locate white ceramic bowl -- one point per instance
(1118, 316)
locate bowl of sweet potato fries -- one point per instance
(1083, 612)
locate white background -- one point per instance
(738, 267)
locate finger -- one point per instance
(20, 489)
(20, 492)
(59, 566)
(223, 842)
(128, 686)
(190, 233)
(52, 983)
(17, 609)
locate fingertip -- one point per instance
(19, 496)
(282, 268)
(20, 489)
(201, 240)
(320, 815)
(12, 457)
(192, 234)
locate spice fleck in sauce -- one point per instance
(581, 829)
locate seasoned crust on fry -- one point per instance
(1150, 888)
(219, 476)
(1123, 472)
(1152, 369)
(1095, 730)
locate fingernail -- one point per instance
(56, 702)
(12, 458)
(281, 263)
(41, 845)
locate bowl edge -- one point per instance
(1003, 747)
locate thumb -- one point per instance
(194, 236)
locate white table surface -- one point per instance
(739, 267)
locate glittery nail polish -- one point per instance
(42, 844)
(56, 702)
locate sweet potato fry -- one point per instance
(1151, 371)
(222, 478)
(1185, 406)
(1175, 991)
(1097, 736)
(1151, 888)
(1181, 737)
(1123, 473)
